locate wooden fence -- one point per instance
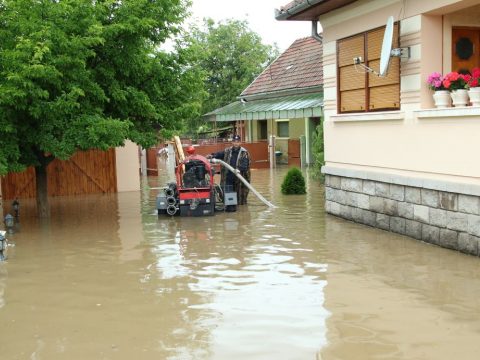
(86, 172)
(258, 154)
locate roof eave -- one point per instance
(310, 9)
(280, 107)
(283, 92)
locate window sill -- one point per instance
(370, 116)
(448, 113)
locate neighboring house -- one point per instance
(285, 101)
(391, 160)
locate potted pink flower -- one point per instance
(474, 87)
(441, 96)
(435, 81)
(457, 84)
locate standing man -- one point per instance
(239, 158)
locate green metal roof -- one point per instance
(286, 107)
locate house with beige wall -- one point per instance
(392, 160)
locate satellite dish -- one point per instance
(386, 47)
(386, 53)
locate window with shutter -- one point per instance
(358, 90)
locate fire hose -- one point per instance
(242, 179)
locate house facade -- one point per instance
(283, 105)
(392, 160)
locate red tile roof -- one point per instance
(300, 66)
(291, 4)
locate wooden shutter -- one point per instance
(350, 48)
(384, 92)
(361, 92)
(351, 80)
(385, 97)
(353, 100)
(375, 39)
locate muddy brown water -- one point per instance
(105, 278)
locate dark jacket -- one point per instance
(239, 159)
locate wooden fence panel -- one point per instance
(152, 166)
(86, 172)
(21, 185)
(258, 152)
(294, 153)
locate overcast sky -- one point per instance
(260, 15)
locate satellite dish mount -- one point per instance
(386, 53)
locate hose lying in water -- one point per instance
(242, 179)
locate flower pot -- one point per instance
(459, 97)
(474, 94)
(442, 98)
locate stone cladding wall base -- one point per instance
(446, 219)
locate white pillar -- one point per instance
(143, 162)
(271, 150)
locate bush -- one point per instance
(318, 152)
(294, 182)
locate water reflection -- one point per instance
(253, 276)
(106, 278)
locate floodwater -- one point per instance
(106, 278)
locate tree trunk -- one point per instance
(43, 208)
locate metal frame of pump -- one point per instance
(193, 194)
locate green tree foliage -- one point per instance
(82, 74)
(231, 56)
(318, 152)
(294, 182)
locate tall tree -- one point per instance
(230, 55)
(83, 74)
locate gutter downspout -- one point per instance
(315, 33)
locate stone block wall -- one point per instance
(446, 219)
